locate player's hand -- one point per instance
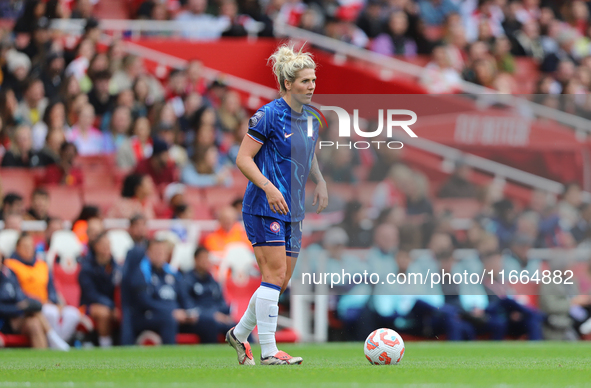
(320, 196)
(276, 201)
(179, 315)
(223, 318)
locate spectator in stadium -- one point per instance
(119, 131)
(206, 170)
(32, 107)
(65, 172)
(230, 231)
(53, 74)
(171, 136)
(39, 210)
(27, 20)
(458, 185)
(156, 297)
(341, 166)
(8, 107)
(20, 314)
(504, 222)
(231, 112)
(194, 13)
(439, 76)
(568, 207)
(87, 139)
(99, 96)
(174, 196)
(53, 225)
(84, 53)
(527, 42)
(40, 43)
(36, 281)
(83, 9)
(138, 147)
(206, 295)
(132, 67)
(21, 153)
(370, 20)
(516, 257)
(54, 119)
(137, 193)
(395, 40)
(357, 225)
(138, 230)
(98, 278)
(434, 12)
(204, 135)
(82, 224)
(18, 66)
(12, 204)
(13, 221)
(515, 319)
(381, 258)
(556, 300)
(158, 166)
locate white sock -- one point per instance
(248, 320)
(70, 320)
(106, 341)
(55, 342)
(266, 312)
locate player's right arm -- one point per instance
(245, 162)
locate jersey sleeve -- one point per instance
(257, 127)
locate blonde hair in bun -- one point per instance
(286, 64)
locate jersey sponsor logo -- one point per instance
(287, 135)
(275, 227)
(255, 119)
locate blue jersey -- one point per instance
(285, 158)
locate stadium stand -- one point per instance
(154, 74)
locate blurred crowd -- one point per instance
(137, 298)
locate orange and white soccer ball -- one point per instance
(384, 347)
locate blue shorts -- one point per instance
(269, 231)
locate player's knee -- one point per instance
(100, 312)
(34, 326)
(51, 312)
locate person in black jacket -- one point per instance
(206, 295)
(98, 278)
(20, 314)
(155, 297)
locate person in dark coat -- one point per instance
(155, 296)
(206, 295)
(99, 277)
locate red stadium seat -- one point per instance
(14, 341)
(104, 197)
(218, 197)
(17, 180)
(64, 201)
(187, 339)
(66, 284)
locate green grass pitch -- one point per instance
(425, 364)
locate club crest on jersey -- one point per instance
(275, 227)
(255, 119)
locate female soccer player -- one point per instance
(277, 156)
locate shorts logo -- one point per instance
(275, 227)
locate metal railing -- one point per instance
(138, 28)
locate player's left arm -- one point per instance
(321, 191)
